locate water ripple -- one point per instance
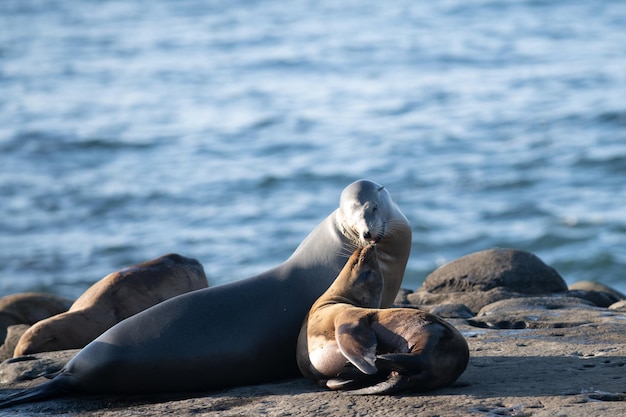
(226, 131)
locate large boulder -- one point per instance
(485, 277)
(516, 270)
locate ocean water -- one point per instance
(226, 130)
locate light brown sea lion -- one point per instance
(239, 333)
(27, 308)
(114, 298)
(348, 343)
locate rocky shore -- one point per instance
(537, 348)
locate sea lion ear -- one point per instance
(382, 187)
(357, 342)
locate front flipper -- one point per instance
(357, 342)
(351, 378)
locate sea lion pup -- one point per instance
(348, 343)
(239, 333)
(114, 298)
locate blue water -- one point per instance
(225, 131)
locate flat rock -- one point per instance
(542, 312)
(28, 368)
(453, 310)
(574, 371)
(473, 300)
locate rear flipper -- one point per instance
(54, 388)
(397, 372)
(393, 384)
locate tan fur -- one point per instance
(114, 298)
(29, 308)
(317, 353)
(346, 327)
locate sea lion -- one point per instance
(346, 342)
(239, 333)
(114, 298)
(27, 308)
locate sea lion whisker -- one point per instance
(345, 253)
(347, 249)
(392, 228)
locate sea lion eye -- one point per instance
(363, 277)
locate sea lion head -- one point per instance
(364, 211)
(360, 283)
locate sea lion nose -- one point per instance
(367, 235)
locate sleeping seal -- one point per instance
(114, 298)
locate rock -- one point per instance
(596, 286)
(457, 311)
(599, 299)
(474, 300)
(619, 306)
(10, 341)
(516, 270)
(485, 277)
(600, 294)
(540, 312)
(25, 368)
(574, 371)
(401, 297)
